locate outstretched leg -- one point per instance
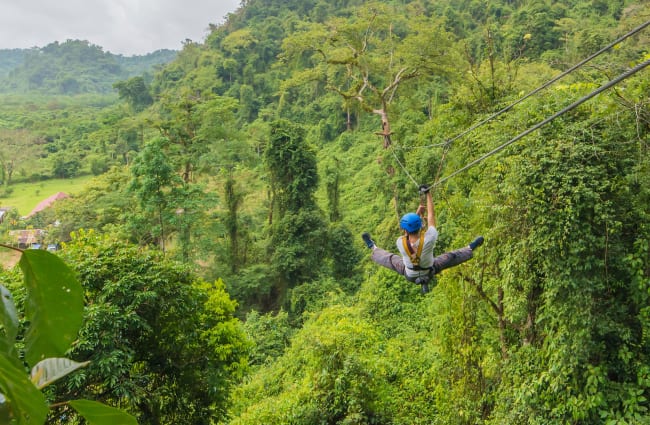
(456, 257)
(452, 258)
(383, 257)
(388, 260)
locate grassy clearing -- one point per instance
(25, 196)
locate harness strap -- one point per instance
(415, 257)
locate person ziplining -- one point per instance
(416, 261)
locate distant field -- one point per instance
(25, 196)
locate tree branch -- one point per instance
(11, 247)
(481, 292)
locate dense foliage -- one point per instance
(258, 157)
(33, 343)
(147, 321)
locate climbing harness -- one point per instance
(425, 280)
(408, 248)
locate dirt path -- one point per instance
(9, 258)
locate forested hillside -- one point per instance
(60, 104)
(72, 67)
(220, 243)
(10, 59)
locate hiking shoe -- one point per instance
(476, 243)
(369, 242)
(425, 288)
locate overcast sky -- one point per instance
(127, 27)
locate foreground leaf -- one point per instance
(8, 320)
(27, 402)
(54, 305)
(49, 370)
(100, 414)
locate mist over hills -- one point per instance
(72, 67)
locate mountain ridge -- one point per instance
(72, 67)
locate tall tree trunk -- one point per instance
(233, 202)
(161, 240)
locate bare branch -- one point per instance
(11, 247)
(400, 77)
(481, 292)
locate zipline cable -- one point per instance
(403, 168)
(540, 88)
(596, 92)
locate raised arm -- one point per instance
(431, 212)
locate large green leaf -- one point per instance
(49, 370)
(100, 414)
(8, 320)
(27, 403)
(54, 305)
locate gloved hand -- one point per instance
(424, 189)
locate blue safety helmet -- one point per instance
(410, 222)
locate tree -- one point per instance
(65, 165)
(53, 309)
(345, 257)
(199, 132)
(162, 343)
(157, 187)
(374, 59)
(332, 182)
(18, 148)
(135, 92)
(298, 228)
(368, 57)
(292, 167)
(339, 380)
(233, 200)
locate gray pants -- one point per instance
(441, 262)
